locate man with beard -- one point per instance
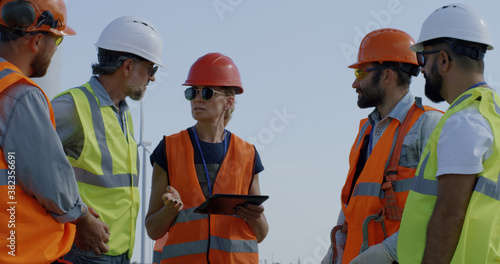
(95, 127)
(39, 198)
(385, 154)
(452, 214)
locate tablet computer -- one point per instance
(224, 204)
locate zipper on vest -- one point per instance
(208, 245)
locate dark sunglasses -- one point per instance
(207, 93)
(361, 74)
(152, 69)
(421, 56)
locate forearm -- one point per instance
(259, 227)
(443, 234)
(445, 224)
(158, 223)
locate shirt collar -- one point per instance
(103, 97)
(398, 112)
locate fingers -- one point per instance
(93, 212)
(249, 211)
(99, 249)
(173, 204)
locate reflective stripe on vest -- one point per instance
(373, 188)
(108, 179)
(106, 169)
(367, 196)
(37, 236)
(4, 176)
(187, 215)
(479, 242)
(200, 246)
(196, 238)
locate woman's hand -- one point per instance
(249, 212)
(172, 199)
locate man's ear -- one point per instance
(444, 61)
(389, 75)
(35, 42)
(126, 67)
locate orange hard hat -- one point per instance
(215, 69)
(35, 15)
(386, 44)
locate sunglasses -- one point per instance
(57, 39)
(152, 69)
(361, 74)
(207, 93)
(421, 56)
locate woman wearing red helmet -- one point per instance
(203, 160)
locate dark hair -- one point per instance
(404, 77)
(10, 34)
(109, 61)
(468, 55)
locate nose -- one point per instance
(422, 70)
(198, 96)
(355, 84)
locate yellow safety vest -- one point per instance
(106, 170)
(479, 241)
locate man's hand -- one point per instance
(376, 254)
(92, 234)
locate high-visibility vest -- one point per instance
(202, 238)
(106, 170)
(367, 198)
(479, 241)
(27, 230)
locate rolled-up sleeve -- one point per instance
(42, 170)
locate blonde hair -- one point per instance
(228, 91)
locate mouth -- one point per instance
(198, 109)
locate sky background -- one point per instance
(298, 108)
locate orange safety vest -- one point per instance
(28, 233)
(202, 238)
(367, 196)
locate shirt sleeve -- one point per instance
(159, 155)
(68, 125)
(42, 170)
(465, 143)
(258, 167)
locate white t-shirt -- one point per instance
(465, 142)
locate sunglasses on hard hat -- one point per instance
(361, 74)
(207, 93)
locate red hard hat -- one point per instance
(386, 44)
(215, 69)
(35, 15)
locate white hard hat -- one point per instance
(134, 35)
(456, 21)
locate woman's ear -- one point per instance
(229, 102)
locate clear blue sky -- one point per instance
(298, 106)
